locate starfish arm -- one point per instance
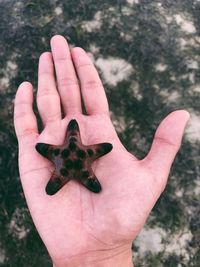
(44, 149)
(91, 183)
(101, 150)
(73, 132)
(55, 184)
(73, 126)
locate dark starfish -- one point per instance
(73, 160)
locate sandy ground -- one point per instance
(147, 53)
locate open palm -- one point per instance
(76, 224)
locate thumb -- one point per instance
(166, 143)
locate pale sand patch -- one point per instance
(16, 226)
(154, 240)
(11, 65)
(4, 83)
(136, 90)
(114, 70)
(58, 10)
(94, 24)
(192, 64)
(132, 2)
(150, 240)
(186, 42)
(185, 24)
(9, 72)
(197, 188)
(196, 88)
(2, 255)
(193, 128)
(119, 122)
(169, 97)
(94, 49)
(191, 77)
(174, 96)
(179, 242)
(179, 192)
(128, 36)
(160, 67)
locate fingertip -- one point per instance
(181, 114)
(45, 55)
(57, 38)
(45, 65)
(24, 90)
(175, 121)
(24, 119)
(78, 51)
(25, 84)
(24, 94)
(60, 48)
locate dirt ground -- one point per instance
(147, 53)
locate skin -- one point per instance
(78, 227)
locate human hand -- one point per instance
(78, 227)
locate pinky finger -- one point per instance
(24, 118)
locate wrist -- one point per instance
(117, 258)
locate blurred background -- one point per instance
(148, 55)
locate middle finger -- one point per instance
(67, 81)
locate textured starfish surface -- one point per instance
(73, 160)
